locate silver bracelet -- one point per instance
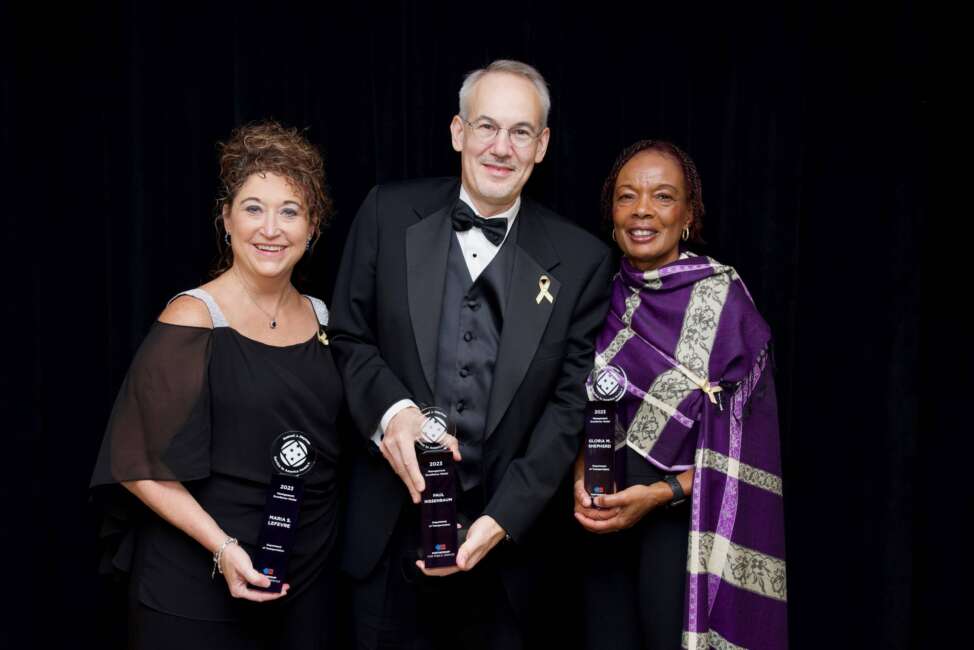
(219, 555)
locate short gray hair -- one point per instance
(510, 67)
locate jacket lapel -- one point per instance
(525, 318)
(427, 247)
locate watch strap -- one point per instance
(679, 496)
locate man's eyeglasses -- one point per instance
(486, 132)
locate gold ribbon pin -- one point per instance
(543, 283)
(323, 337)
(710, 390)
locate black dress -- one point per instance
(204, 407)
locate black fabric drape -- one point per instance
(808, 124)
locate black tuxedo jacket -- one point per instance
(385, 322)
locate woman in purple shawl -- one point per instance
(696, 554)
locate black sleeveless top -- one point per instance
(204, 407)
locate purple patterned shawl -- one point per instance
(695, 351)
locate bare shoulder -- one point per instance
(188, 311)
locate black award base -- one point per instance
(438, 508)
(599, 448)
(277, 532)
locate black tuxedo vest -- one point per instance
(472, 318)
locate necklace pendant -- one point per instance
(274, 324)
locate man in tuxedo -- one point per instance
(467, 296)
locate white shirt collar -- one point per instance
(509, 214)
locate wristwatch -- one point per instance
(679, 496)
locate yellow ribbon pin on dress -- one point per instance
(543, 283)
(323, 337)
(710, 390)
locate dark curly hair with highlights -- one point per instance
(691, 180)
(263, 147)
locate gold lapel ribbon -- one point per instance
(543, 283)
(711, 390)
(703, 384)
(323, 336)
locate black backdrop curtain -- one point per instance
(808, 124)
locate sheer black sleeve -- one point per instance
(160, 426)
(159, 429)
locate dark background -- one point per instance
(809, 124)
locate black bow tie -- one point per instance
(493, 229)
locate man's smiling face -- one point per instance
(495, 172)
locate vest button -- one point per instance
(460, 406)
(473, 304)
(464, 371)
(468, 336)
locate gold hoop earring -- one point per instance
(686, 232)
(614, 235)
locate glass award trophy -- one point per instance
(606, 386)
(292, 456)
(438, 505)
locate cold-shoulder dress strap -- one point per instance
(321, 311)
(215, 314)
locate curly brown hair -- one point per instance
(262, 147)
(691, 179)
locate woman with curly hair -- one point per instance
(691, 552)
(232, 395)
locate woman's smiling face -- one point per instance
(650, 209)
(268, 225)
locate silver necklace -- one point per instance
(280, 301)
